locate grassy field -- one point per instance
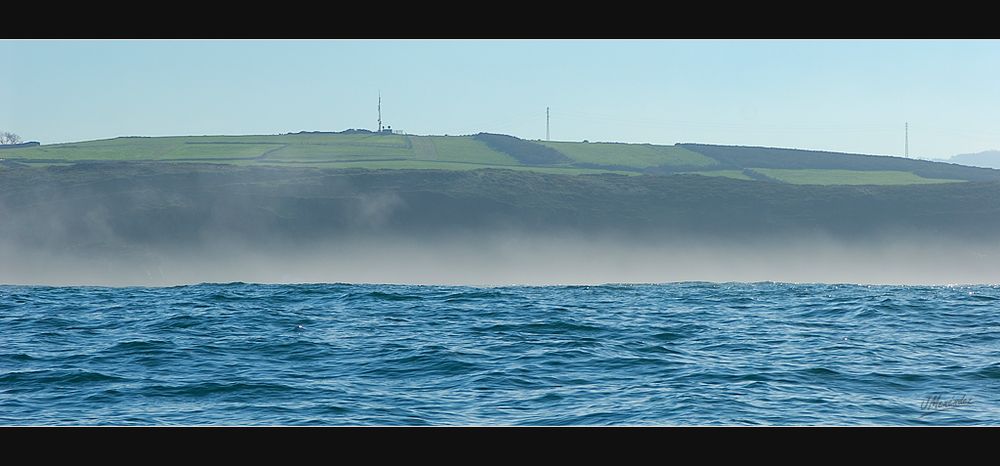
(326, 152)
(463, 149)
(847, 177)
(424, 165)
(382, 140)
(142, 149)
(631, 155)
(743, 157)
(397, 151)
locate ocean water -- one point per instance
(339, 354)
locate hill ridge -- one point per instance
(354, 148)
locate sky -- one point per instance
(837, 95)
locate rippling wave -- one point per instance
(340, 354)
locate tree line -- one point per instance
(7, 137)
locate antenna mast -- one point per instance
(546, 123)
(906, 147)
(380, 111)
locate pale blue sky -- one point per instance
(843, 95)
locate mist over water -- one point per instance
(164, 224)
(512, 259)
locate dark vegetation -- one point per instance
(133, 204)
(526, 152)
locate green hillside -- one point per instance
(368, 150)
(847, 177)
(757, 158)
(631, 155)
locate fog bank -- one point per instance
(511, 258)
(166, 224)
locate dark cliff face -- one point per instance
(162, 204)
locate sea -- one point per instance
(675, 354)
